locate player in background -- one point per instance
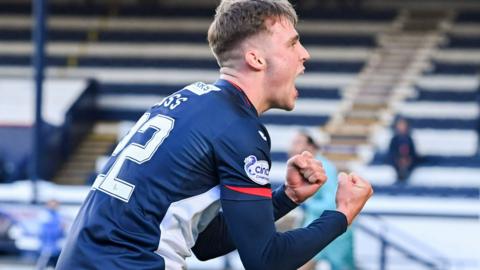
(192, 176)
(338, 255)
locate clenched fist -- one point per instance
(352, 194)
(305, 175)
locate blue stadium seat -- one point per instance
(443, 96)
(442, 123)
(456, 68)
(466, 42)
(468, 16)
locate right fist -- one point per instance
(352, 194)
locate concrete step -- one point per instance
(342, 141)
(390, 64)
(96, 144)
(427, 13)
(341, 157)
(343, 138)
(378, 81)
(362, 101)
(72, 180)
(420, 25)
(362, 114)
(369, 106)
(83, 161)
(375, 92)
(372, 99)
(384, 73)
(340, 129)
(398, 36)
(361, 121)
(85, 165)
(93, 150)
(81, 157)
(340, 148)
(101, 137)
(69, 171)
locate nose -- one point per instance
(304, 53)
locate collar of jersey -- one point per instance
(238, 91)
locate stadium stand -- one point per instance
(137, 64)
(444, 114)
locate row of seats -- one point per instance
(129, 84)
(444, 114)
(122, 36)
(314, 65)
(155, 9)
(318, 66)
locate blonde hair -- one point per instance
(237, 20)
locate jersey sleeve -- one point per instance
(261, 247)
(243, 163)
(216, 241)
(242, 154)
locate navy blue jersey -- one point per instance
(160, 195)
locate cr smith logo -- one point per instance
(257, 170)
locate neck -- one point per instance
(250, 84)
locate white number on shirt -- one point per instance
(121, 188)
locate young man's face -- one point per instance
(285, 58)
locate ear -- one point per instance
(254, 59)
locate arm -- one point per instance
(243, 161)
(261, 247)
(215, 240)
(304, 176)
(282, 204)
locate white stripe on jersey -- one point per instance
(182, 223)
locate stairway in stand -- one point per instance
(370, 102)
(81, 164)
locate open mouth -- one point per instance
(301, 72)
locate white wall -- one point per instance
(17, 100)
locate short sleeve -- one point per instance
(242, 154)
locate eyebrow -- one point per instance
(295, 38)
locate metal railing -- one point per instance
(430, 258)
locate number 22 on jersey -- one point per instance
(122, 189)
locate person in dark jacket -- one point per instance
(402, 152)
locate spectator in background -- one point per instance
(402, 152)
(51, 233)
(339, 254)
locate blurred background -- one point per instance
(373, 63)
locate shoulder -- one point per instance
(224, 110)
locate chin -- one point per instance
(285, 107)
(289, 107)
